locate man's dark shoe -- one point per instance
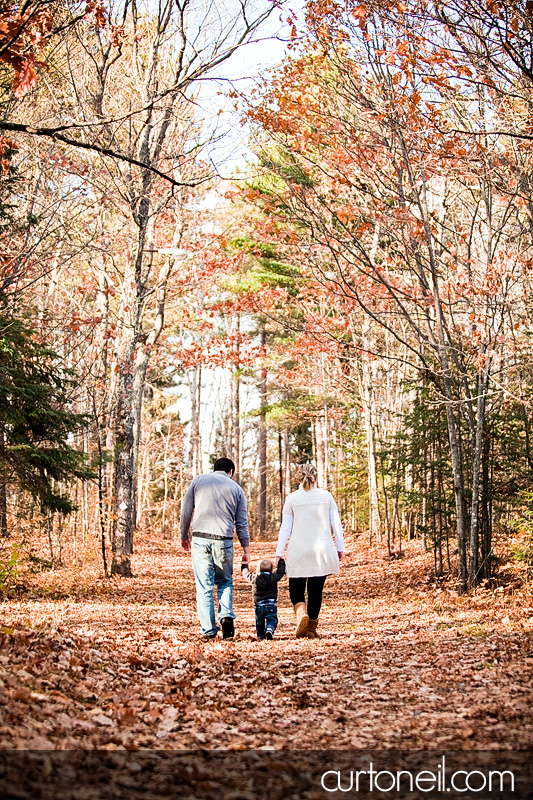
(208, 637)
(228, 628)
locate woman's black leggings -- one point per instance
(314, 593)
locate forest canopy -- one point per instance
(358, 295)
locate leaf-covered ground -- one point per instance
(400, 663)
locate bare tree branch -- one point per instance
(55, 133)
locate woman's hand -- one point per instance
(341, 555)
(276, 561)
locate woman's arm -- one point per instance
(284, 534)
(336, 524)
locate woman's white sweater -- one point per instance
(308, 518)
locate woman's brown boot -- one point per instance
(302, 620)
(311, 629)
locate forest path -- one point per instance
(400, 663)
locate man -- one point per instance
(216, 505)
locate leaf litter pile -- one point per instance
(401, 663)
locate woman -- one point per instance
(308, 516)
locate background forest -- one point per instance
(359, 293)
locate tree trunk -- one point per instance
(101, 487)
(287, 457)
(486, 505)
(262, 508)
(195, 385)
(280, 468)
(165, 478)
(457, 471)
(453, 438)
(127, 441)
(374, 519)
(320, 433)
(237, 410)
(473, 565)
(4, 532)
(124, 479)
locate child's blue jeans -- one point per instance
(266, 617)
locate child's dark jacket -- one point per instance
(264, 584)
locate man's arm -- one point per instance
(187, 511)
(241, 525)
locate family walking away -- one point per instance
(214, 506)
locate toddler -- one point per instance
(265, 595)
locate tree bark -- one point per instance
(320, 433)
(262, 445)
(237, 408)
(374, 518)
(195, 385)
(473, 564)
(287, 457)
(4, 532)
(124, 477)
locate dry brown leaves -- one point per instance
(400, 664)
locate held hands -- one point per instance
(186, 544)
(245, 555)
(276, 561)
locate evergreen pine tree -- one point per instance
(36, 423)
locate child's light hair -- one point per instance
(265, 566)
(307, 474)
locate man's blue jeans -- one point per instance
(212, 562)
(266, 617)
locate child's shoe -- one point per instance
(269, 635)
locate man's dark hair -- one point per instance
(223, 465)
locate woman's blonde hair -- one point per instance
(307, 475)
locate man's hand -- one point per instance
(186, 544)
(245, 555)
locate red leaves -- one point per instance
(25, 75)
(23, 34)
(5, 160)
(96, 11)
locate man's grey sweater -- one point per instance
(216, 505)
